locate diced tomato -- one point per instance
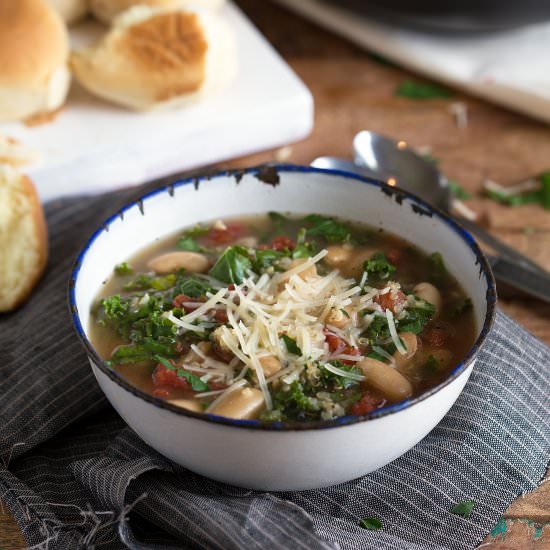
(436, 336)
(340, 346)
(189, 302)
(230, 234)
(395, 255)
(161, 392)
(369, 402)
(282, 243)
(164, 378)
(392, 301)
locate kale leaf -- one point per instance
(123, 269)
(232, 265)
(379, 267)
(189, 244)
(291, 345)
(422, 90)
(322, 226)
(193, 286)
(416, 318)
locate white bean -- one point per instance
(242, 404)
(411, 345)
(270, 365)
(307, 273)
(173, 261)
(337, 255)
(389, 381)
(189, 404)
(428, 292)
(354, 266)
(338, 318)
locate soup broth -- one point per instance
(278, 317)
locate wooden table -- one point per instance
(354, 91)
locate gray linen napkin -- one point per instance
(75, 476)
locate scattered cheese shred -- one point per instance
(393, 333)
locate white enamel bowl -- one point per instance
(284, 456)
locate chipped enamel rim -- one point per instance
(269, 175)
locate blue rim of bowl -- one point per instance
(422, 207)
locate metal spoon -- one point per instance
(382, 158)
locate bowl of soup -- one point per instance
(281, 328)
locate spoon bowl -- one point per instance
(397, 164)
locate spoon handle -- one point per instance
(530, 282)
(500, 247)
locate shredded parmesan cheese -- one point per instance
(393, 332)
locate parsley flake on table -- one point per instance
(422, 90)
(458, 191)
(539, 196)
(372, 524)
(463, 508)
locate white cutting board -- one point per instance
(509, 67)
(93, 146)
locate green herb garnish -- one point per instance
(189, 244)
(149, 282)
(422, 90)
(462, 307)
(378, 266)
(196, 383)
(463, 508)
(291, 345)
(540, 196)
(266, 258)
(123, 269)
(334, 381)
(323, 226)
(430, 366)
(232, 265)
(416, 318)
(372, 524)
(437, 266)
(193, 286)
(458, 191)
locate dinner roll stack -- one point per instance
(34, 48)
(107, 10)
(158, 58)
(23, 238)
(70, 10)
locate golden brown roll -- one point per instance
(70, 10)
(34, 48)
(153, 58)
(23, 238)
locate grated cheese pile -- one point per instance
(297, 302)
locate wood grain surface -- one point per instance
(354, 91)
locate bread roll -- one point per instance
(158, 58)
(34, 48)
(23, 238)
(107, 10)
(70, 10)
